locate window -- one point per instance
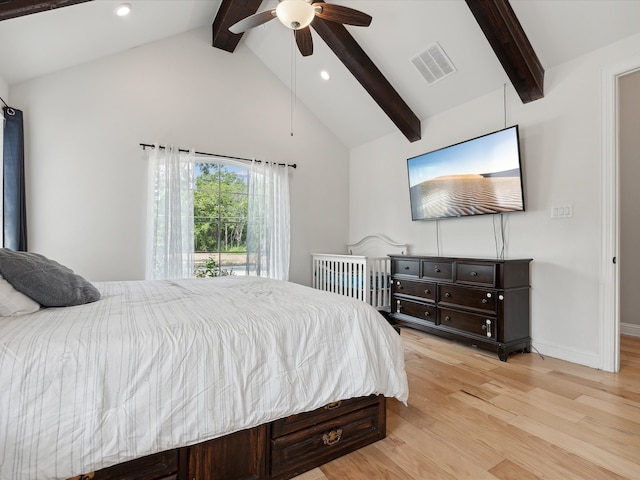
(212, 218)
(220, 205)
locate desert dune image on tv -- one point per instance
(480, 176)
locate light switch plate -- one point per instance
(562, 211)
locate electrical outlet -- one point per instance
(562, 211)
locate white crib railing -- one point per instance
(357, 276)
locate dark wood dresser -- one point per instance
(480, 302)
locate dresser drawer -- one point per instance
(476, 273)
(438, 270)
(421, 311)
(415, 289)
(473, 298)
(480, 325)
(308, 448)
(293, 423)
(405, 267)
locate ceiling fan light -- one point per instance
(295, 14)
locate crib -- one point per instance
(363, 273)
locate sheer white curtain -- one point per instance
(268, 227)
(170, 214)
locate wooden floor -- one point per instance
(470, 416)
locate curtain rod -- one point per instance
(161, 147)
(5, 103)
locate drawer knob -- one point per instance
(332, 437)
(437, 270)
(484, 300)
(448, 295)
(474, 274)
(447, 318)
(427, 314)
(428, 292)
(406, 267)
(333, 405)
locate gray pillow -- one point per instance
(45, 281)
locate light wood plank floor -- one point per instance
(470, 416)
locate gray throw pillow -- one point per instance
(45, 281)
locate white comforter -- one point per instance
(154, 365)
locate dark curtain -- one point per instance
(15, 210)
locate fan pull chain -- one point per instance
(293, 83)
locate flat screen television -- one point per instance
(479, 176)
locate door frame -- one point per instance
(610, 215)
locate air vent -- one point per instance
(433, 64)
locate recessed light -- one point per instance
(325, 75)
(123, 10)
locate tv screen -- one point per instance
(475, 177)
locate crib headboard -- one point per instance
(377, 246)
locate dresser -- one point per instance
(479, 302)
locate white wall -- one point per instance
(561, 148)
(86, 174)
(629, 260)
(4, 90)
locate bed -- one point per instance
(363, 273)
(227, 377)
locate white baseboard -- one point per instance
(561, 352)
(630, 329)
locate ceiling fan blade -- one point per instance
(304, 41)
(252, 21)
(340, 14)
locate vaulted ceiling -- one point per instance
(375, 89)
(495, 17)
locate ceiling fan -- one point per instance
(298, 15)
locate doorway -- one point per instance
(610, 227)
(629, 199)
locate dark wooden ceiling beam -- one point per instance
(500, 25)
(340, 41)
(18, 8)
(230, 12)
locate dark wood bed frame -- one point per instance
(274, 451)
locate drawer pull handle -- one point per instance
(398, 306)
(484, 300)
(428, 292)
(437, 270)
(427, 314)
(447, 318)
(474, 274)
(333, 405)
(407, 267)
(332, 437)
(448, 295)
